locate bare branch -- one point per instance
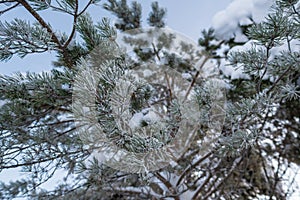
(235, 164)
(191, 167)
(8, 9)
(85, 8)
(195, 77)
(167, 184)
(74, 26)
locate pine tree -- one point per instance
(257, 145)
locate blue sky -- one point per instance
(188, 17)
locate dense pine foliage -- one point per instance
(256, 154)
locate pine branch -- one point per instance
(156, 16)
(279, 79)
(130, 17)
(39, 161)
(41, 21)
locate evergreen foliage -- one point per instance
(130, 17)
(258, 148)
(156, 16)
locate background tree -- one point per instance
(258, 146)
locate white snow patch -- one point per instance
(2, 102)
(151, 117)
(147, 73)
(136, 120)
(233, 73)
(187, 76)
(66, 86)
(224, 48)
(240, 37)
(239, 12)
(294, 45)
(146, 115)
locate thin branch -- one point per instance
(195, 77)
(39, 161)
(197, 193)
(225, 179)
(86, 7)
(293, 180)
(265, 71)
(288, 41)
(7, 1)
(167, 184)
(169, 85)
(51, 124)
(191, 167)
(8, 9)
(61, 10)
(295, 11)
(49, 30)
(264, 168)
(277, 81)
(41, 21)
(156, 52)
(74, 25)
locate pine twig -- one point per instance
(49, 30)
(41, 21)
